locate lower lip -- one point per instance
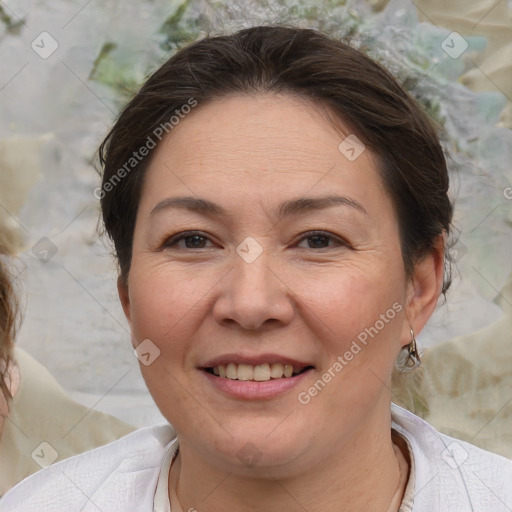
(253, 390)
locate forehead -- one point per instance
(259, 148)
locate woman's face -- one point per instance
(261, 248)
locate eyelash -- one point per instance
(175, 239)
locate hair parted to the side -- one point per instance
(342, 80)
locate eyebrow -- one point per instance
(287, 209)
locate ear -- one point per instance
(424, 289)
(124, 297)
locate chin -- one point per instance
(269, 447)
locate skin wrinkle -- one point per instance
(308, 304)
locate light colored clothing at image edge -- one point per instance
(42, 412)
(450, 475)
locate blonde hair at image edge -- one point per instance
(8, 324)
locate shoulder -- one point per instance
(119, 476)
(451, 474)
(42, 412)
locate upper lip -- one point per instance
(254, 360)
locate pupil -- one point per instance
(195, 238)
(316, 238)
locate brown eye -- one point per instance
(191, 240)
(320, 240)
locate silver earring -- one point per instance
(408, 358)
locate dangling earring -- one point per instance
(408, 358)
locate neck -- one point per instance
(361, 474)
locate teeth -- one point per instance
(276, 370)
(245, 372)
(231, 371)
(259, 372)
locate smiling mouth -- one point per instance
(258, 373)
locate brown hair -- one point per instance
(338, 77)
(8, 324)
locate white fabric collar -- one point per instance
(123, 476)
(161, 501)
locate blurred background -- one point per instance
(67, 67)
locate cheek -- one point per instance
(345, 302)
(358, 320)
(165, 310)
(167, 304)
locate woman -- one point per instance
(279, 210)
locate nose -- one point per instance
(254, 296)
